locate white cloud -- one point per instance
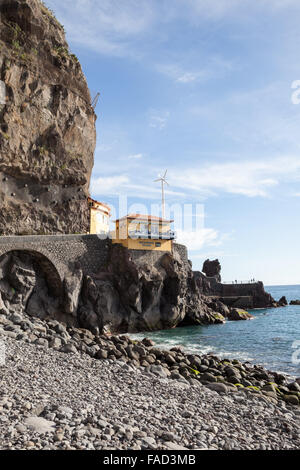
(108, 185)
(178, 74)
(254, 178)
(218, 9)
(106, 26)
(187, 77)
(213, 254)
(137, 156)
(158, 119)
(115, 27)
(249, 178)
(123, 184)
(198, 239)
(184, 74)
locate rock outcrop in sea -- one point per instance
(47, 125)
(212, 269)
(238, 295)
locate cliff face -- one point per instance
(149, 292)
(47, 125)
(143, 294)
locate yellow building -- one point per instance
(144, 232)
(99, 217)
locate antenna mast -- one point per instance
(163, 181)
(95, 100)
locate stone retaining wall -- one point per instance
(152, 257)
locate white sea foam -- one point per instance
(192, 348)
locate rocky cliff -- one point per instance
(138, 294)
(132, 294)
(47, 125)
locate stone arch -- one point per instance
(47, 266)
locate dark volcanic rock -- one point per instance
(212, 269)
(152, 291)
(237, 314)
(282, 302)
(138, 295)
(132, 295)
(295, 302)
(261, 298)
(236, 295)
(24, 287)
(47, 126)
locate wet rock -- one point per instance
(282, 301)
(237, 314)
(292, 399)
(294, 386)
(148, 342)
(207, 377)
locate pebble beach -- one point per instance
(65, 399)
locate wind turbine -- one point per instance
(163, 181)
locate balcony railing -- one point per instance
(135, 234)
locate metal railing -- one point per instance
(250, 281)
(135, 234)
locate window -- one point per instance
(154, 229)
(144, 229)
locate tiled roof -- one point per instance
(100, 203)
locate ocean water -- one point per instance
(270, 339)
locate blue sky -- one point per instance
(203, 88)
